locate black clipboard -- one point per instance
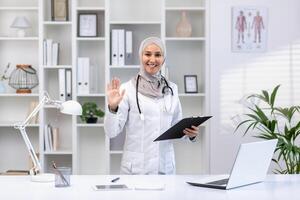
(176, 131)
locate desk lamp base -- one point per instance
(47, 177)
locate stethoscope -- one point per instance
(166, 87)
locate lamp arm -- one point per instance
(36, 163)
(22, 126)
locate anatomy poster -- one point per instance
(249, 29)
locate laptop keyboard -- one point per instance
(219, 182)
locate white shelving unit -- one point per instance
(14, 107)
(84, 147)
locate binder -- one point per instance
(121, 40)
(83, 75)
(62, 84)
(68, 84)
(114, 47)
(80, 75)
(94, 84)
(128, 47)
(55, 50)
(176, 131)
(86, 75)
(44, 52)
(49, 51)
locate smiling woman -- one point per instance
(146, 106)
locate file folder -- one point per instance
(176, 131)
(128, 48)
(83, 74)
(114, 47)
(86, 75)
(44, 52)
(49, 43)
(80, 75)
(62, 84)
(128, 42)
(55, 53)
(121, 40)
(68, 84)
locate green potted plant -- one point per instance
(90, 112)
(269, 122)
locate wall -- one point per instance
(234, 75)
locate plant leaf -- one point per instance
(273, 96)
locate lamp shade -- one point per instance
(20, 22)
(71, 108)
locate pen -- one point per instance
(115, 179)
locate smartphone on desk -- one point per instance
(111, 187)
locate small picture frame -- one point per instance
(59, 10)
(190, 84)
(87, 25)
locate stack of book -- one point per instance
(50, 138)
(50, 52)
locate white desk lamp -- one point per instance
(69, 107)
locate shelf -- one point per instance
(185, 38)
(18, 95)
(11, 124)
(179, 8)
(19, 38)
(58, 152)
(113, 152)
(125, 67)
(57, 23)
(84, 146)
(58, 67)
(136, 22)
(91, 125)
(90, 8)
(91, 95)
(33, 8)
(90, 38)
(191, 95)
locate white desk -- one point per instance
(275, 187)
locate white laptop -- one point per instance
(250, 166)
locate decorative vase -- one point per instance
(92, 120)
(23, 78)
(184, 27)
(2, 87)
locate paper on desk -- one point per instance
(149, 186)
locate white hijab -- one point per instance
(150, 85)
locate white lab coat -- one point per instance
(141, 155)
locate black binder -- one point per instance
(176, 131)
